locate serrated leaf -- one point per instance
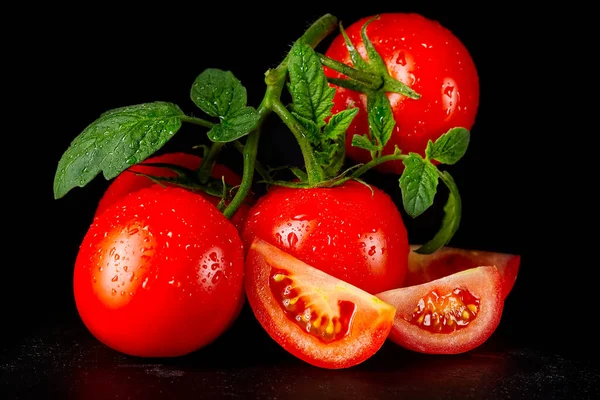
(339, 123)
(311, 94)
(312, 132)
(450, 147)
(381, 118)
(235, 125)
(451, 220)
(418, 183)
(118, 139)
(218, 93)
(363, 142)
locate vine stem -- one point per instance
(377, 161)
(275, 80)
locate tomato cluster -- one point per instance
(327, 271)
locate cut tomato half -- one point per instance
(449, 315)
(447, 260)
(318, 318)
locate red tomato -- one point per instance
(349, 231)
(129, 181)
(159, 273)
(448, 260)
(314, 316)
(450, 315)
(425, 56)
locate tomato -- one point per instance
(159, 273)
(448, 260)
(450, 315)
(352, 232)
(130, 181)
(425, 56)
(316, 317)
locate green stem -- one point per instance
(368, 79)
(275, 80)
(313, 169)
(208, 162)
(257, 165)
(197, 121)
(377, 161)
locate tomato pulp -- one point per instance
(427, 57)
(159, 273)
(353, 232)
(316, 317)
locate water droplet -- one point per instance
(114, 278)
(145, 283)
(279, 239)
(213, 256)
(125, 268)
(217, 277)
(214, 266)
(113, 292)
(112, 251)
(401, 59)
(372, 251)
(292, 239)
(448, 91)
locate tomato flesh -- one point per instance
(318, 318)
(448, 260)
(472, 299)
(445, 313)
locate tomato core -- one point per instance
(309, 309)
(446, 313)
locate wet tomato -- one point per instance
(450, 315)
(353, 232)
(427, 57)
(130, 181)
(448, 260)
(316, 317)
(159, 273)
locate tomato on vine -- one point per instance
(424, 55)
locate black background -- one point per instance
(70, 64)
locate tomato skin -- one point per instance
(425, 56)
(347, 231)
(448, 260)
(370, 326)
(484, 283)
(129, 181)
(139, 280)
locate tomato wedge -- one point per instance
(450, 315)
(318, 318)
(448, 260)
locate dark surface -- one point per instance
(67, 65)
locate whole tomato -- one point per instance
(129, 181)
(353, 232)
(159, 273)
(427, 57)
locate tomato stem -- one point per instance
(367, 79)
(377, 161)
(197, 121)
(208, 162)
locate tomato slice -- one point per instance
(449, 315)
(318, 318)
(448, 260)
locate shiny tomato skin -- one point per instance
(129, 181)
(353, 232)
(369, 325)
(159, 273)
(430, 59)
(484, 283)
(448, 260)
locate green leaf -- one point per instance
(310, 128)
(450, 147)
(363, 142)
(357, 60)
(451, 220)
(381, 118)
(311, 94)
(418, 182)
(375, 60)
(339, 123)
(118, 139)
(235, 125)
(218, 93)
